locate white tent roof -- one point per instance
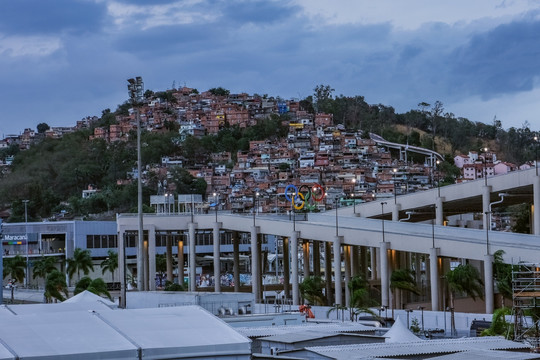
(399, 333)
(174, 332)
(88, 297)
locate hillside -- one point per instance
(52, 173)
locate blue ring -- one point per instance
(287, 191)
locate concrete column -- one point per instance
(255, 263)
(364, 261)
(192, 259)
(152, 259)
(488, 281)
(217, 264)
(328, 271)
(305, 255)
(395, 212)
(316, 258)
(347, 258)
(385, 278)
(146, 268)
(536, 206)
(236, 262)
(434, 278)
(373, 260)
(355, 259)
(169, 257)
(439, 211)
(260, 261)
(294, 268)
(337, 269)
(286, 265)
(121, 242)
(486, 192)
(180, 262)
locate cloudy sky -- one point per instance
(61, 60)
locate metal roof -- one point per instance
(336, 327)
(489, 355)
(415, 348)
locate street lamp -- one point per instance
(216, 203)
(135, 90)
(255, 196)
(337, 206)
(485, 165)
(422, 308)
(394, 183)
(408, 311)
(26, 231)
(354, 203)
(437, 163)
(536, 154)
(382, 217)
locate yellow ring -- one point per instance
(303, 202)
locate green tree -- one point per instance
(402, 280)
(55, 286)
(81, 261)
(360, 300)
(338, 308)
(502, 273)
(15, 268)
(464, 279)
(95, 286)
(110, 264)
(219, 91)
(42, 127)
(499, 326)
(311, 289)
(43, 267)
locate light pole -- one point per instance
(485, 165)
(382, 218)
(135, 89)
(488, 225)
(354, 203)
(255, 196)
(536, 154)
(337, 206)
(26, 232)
(408, 311)
(422, 308)
(394, 183)
(216, 203)
(437, 163)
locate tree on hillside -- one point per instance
(42, 127)
(219, 91)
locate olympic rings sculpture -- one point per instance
(303, 194)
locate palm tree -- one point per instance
(55, 286)
(337, 308)
(499, 325)
(402, 280)
(463, 279)
(360, 301)
(15, 267)
(503, 275)
(43, 267)
(311, 290)
(81, 261)
(110, 263)
(96, 286)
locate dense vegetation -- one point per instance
(53, 172)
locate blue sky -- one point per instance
(62, 60)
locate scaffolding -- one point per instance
(526, 303)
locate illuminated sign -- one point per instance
(298, 197)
